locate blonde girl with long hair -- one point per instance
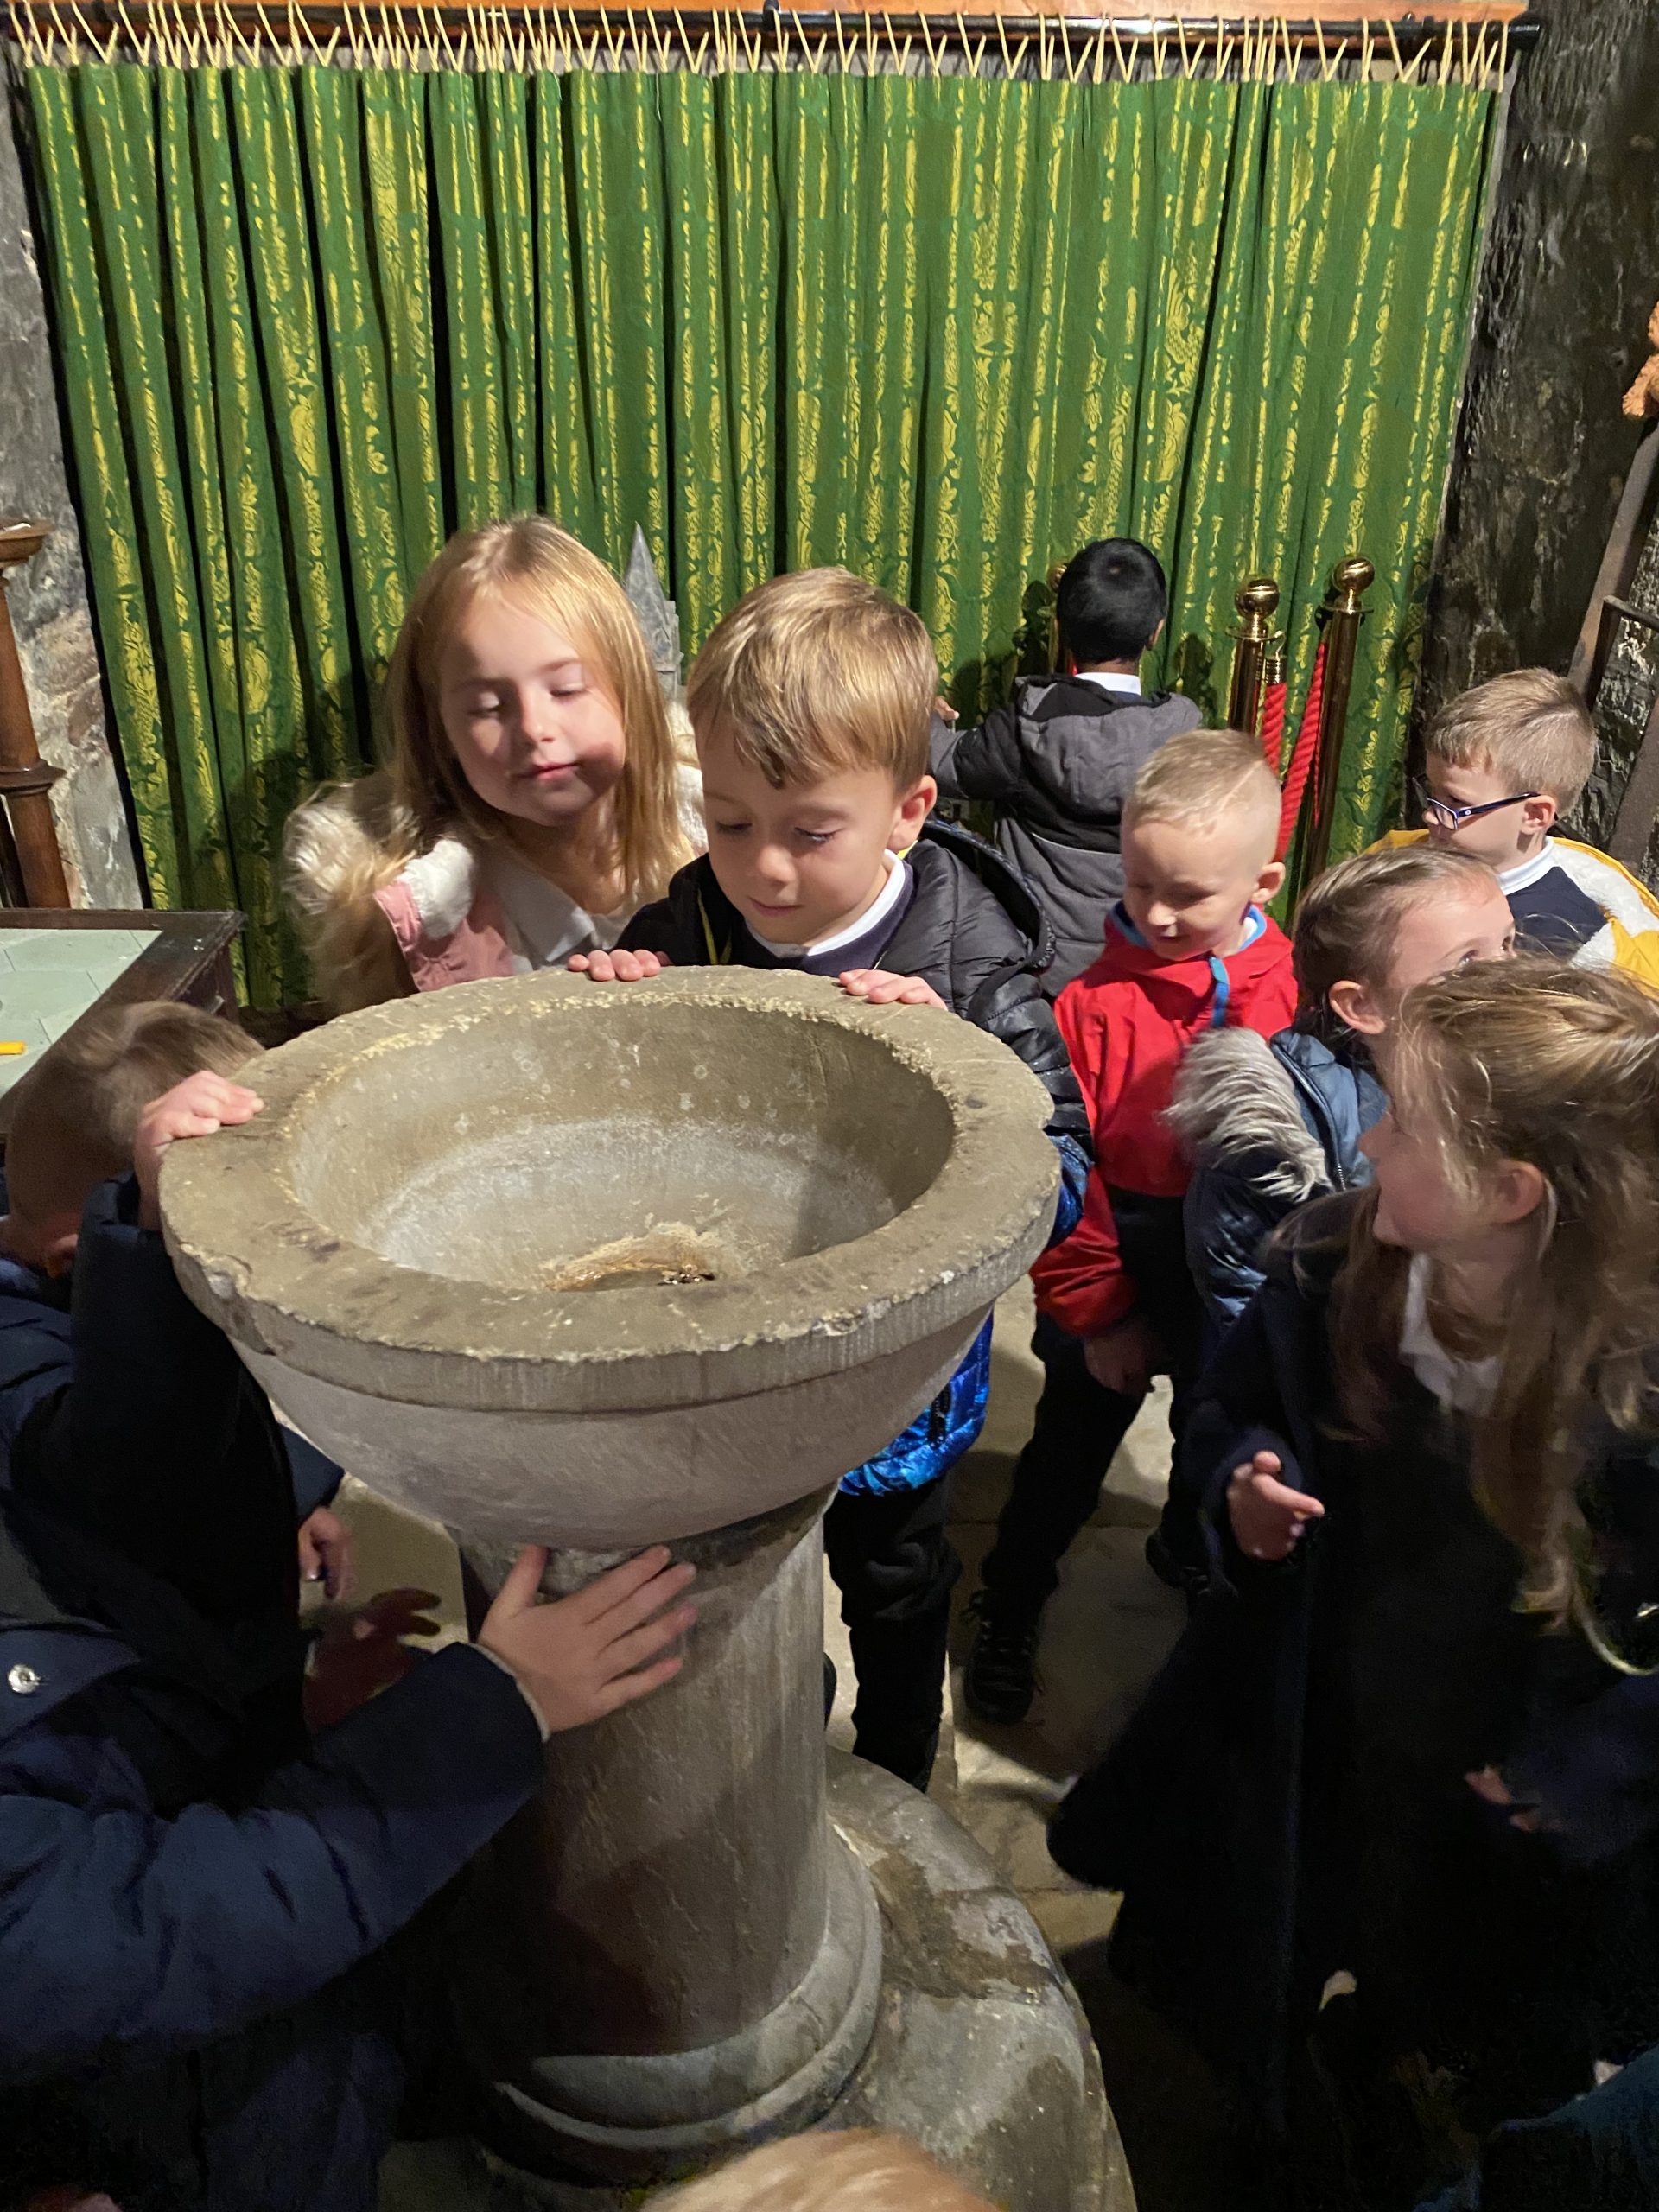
(1409, 1757)
(533, 796)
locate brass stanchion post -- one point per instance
(1350, 581)
(1257, 601)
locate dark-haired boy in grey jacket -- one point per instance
(1057, 763)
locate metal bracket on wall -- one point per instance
(1639, 512)
(1624, 542)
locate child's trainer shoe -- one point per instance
(1000, 1676)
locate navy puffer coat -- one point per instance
(190, 1887)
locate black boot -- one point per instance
(909, 1758)
(1000, 1680)
(1175, 1556)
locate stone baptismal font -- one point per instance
(605, 1266)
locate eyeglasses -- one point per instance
(1447, 817)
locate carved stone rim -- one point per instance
(283, 1283)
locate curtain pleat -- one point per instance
(942, 330)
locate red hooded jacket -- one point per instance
(1127, 1022)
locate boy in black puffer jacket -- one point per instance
(810, 704)
(1273, 1122)
(1058, 761)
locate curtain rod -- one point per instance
(1470, 40)
(1410, 26)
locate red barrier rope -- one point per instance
(1303, 759)
(1272, 724)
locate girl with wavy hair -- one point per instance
(533, 796)
(1394, 1802)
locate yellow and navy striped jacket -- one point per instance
(1628, 936)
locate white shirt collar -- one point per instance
(544, 925)
(882, 904)
(1525, 872)
(1467, 1386)
(1130, 686)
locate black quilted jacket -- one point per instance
(972, 929)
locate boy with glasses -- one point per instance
(1505, 762)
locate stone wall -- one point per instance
(1571, 277)
(48, 595)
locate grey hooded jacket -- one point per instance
(1057, 763)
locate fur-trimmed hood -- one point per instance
(1284, 1113)
(379, 913)
(341, 848)
(1270, 1124)
(1235, 1102)
(344, 840)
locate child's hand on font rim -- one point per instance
(877, 987)
(617, 967)
(195, 1108)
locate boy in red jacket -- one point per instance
(1188, 950)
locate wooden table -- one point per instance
(184, 957)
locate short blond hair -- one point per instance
(76, 1114)
(1531, 726)
(1204, 779)
(817, 673)
(854, 2170)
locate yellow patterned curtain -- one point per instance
(942, 329)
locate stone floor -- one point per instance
(1105, 1633)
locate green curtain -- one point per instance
(940, 329)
